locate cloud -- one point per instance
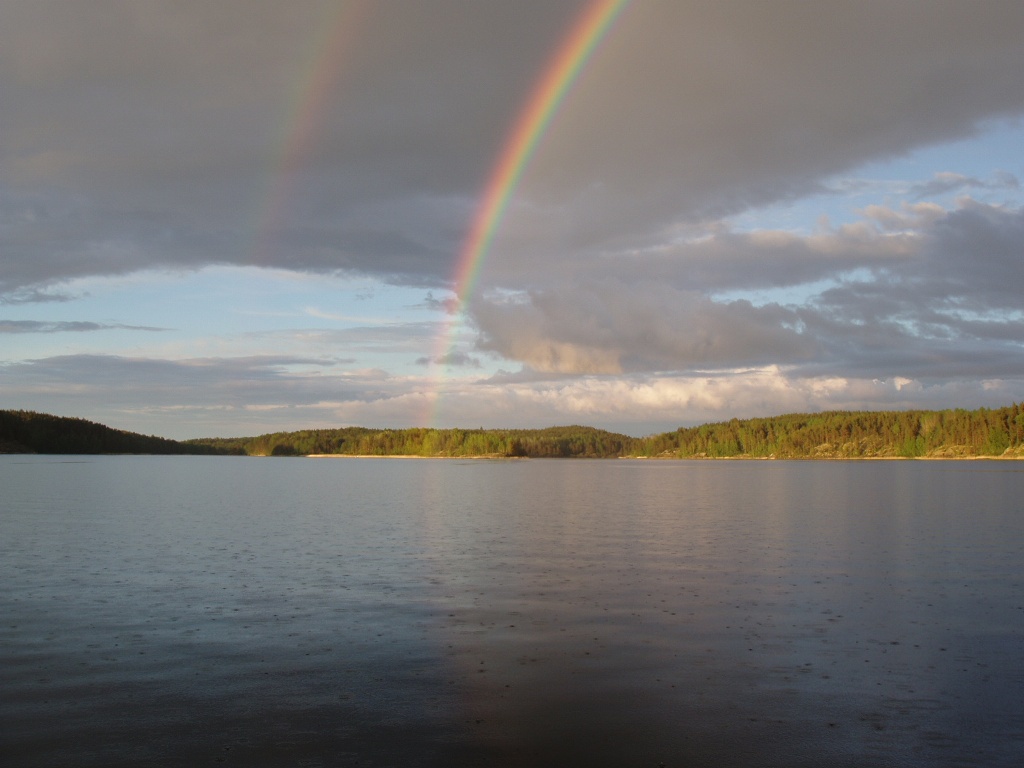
(403, 338)
(114, 388)
(150, 135)
(747, 104)
(644, 404)
(254, 395)
(612, 326)
(449, 305)
(945, 182)
(37, 326)
(937, 298)
(34, 296)
(342, 318)
(160, 135)
(452, 359)
(155, 135)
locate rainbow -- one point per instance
(548, 94)
(315, 90)
(317, 87)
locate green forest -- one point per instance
(985, 432)
(552, 442)
(831, 435)
(30, 432)
(851, 435)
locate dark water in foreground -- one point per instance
(262, 612)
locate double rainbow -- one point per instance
(321, 78)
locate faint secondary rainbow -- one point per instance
(543, 103)
(314, 91)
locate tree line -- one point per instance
(552, 442)
(30, 432)
(833, 434)
(844, 434)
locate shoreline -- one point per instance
(653, 458)
(493, 457)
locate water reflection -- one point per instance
(736, 614)
(265, 612)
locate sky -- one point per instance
(233, 218)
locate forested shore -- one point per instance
(837, 434)
(947, 434)
(30, 432)
(985, 432)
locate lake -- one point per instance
(182, 611)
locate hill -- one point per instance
(30, 432)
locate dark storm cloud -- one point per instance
(140, 135)
(978, 252)
(700, 109)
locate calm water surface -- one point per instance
(174, 611)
